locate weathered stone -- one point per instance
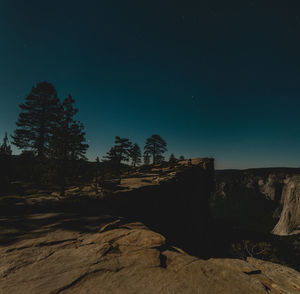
(289, 222)
(80, 248)
(239, 193)
(130, 258)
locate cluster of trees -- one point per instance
(47, 126)
(48, 132)
(53, 143)
(124, 150)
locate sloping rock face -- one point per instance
(255, 198)
(289, 222)
(126, 257)
(175, 203)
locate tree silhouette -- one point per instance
(146, 158)
(121, 150)
(135, 154)
(68, 141)
(5, 164)
(97, 167)
(172, 159)
(160, 158)
(5, 148)
(112, 156)
(155, 146)
(96, 174)
(181, 157)
(36, 119)
(118, 153)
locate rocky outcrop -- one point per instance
(76, 244)
(172, 200)
(127, 257)
(289, 222)
(256, 199)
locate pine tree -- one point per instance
(120, 152)
(181, 158)
(112, 156)
(5, 148)
(135, 155)
(36, 119)
(5, 165)
(67, 144)
(155, 146)
(146, 158)
(172, 159)
(123, 147)
(159, 159)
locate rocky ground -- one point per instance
(75, 244)
(112, 255)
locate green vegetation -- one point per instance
(277, 249)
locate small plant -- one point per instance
(246, 248)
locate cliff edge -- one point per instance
(80, 244)
(289, 222)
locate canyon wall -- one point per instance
(260, 199)
(289, 222)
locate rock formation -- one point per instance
(175, 202)
(289, 222)
(76, 244)
(270, 193)
(126, 257)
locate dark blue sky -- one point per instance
(213, 78)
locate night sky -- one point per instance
(213, 78)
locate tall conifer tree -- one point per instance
(67, 144)
(146, 158)
(36, 119)
(120, 151)
(112, 156)
(135, 154)
(122, 147)
(156, 146)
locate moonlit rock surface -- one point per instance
(289, 222)
(127, 257)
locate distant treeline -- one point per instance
(53, 146)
